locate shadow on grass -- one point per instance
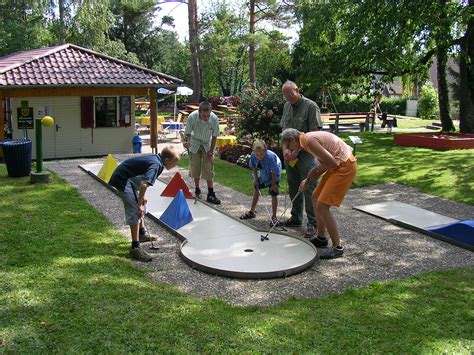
(67, 288)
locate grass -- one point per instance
(447, 174)
(235, 176)
(68, 286)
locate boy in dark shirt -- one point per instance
(131, 179)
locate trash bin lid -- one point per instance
(16, 142)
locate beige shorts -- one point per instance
(200, 166)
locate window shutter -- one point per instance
(125, 111)
(87, 112)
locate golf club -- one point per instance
(265, 237)
(283, 229)
(142, 219)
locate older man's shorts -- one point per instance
(200, 165)
(130, 198)
(335, 183)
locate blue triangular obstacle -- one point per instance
(461, 231)
(177, 214)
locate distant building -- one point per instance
(90, 96)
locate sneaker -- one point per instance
(213, 199)
(248, 215)
(140, 255)
(290, 222)
(146, 237)
(310, 231)
(275, 222)
(198, 193)
(332, 253)
(319, 242)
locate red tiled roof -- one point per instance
(71, 65)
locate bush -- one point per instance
(224, 100)
(261, 111)
(428, 102)
(232, 153)
(394, 106)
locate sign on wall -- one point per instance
(25, 116)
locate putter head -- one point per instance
(154, 247)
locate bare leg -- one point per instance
(196, 182)
(319, 221)
(274, 206)
(254, 201)
(329, 222)
(210, 184)
(134, 232)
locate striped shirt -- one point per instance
(201, 132)
(332, 143)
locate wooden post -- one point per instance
(2, 118)
(153, 122)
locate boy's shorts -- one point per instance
(130, 198)
(270, 191)
(200, 165)
(335, 183)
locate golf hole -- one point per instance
(248, 250)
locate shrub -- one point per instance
(428, 102)
(261, 111)
(232, 153)
(394, 106)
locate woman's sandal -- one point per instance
(248, 215)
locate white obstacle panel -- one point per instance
(217, 243)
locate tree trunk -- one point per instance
(194, 46)
(443, 92)
(62, 25)
(442, 56)
(252, 68)
(466, 73)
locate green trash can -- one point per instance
(17, 156)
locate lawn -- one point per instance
(68, 286)
(447, 174)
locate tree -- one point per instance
(466, 73)
(274, 58)
(61, 13)
(194, 49)
(224, 50)
(133, 26)
(23, 26)
(342, 40)
(90, 27)
(273, 11)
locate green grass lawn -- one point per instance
(68, 286)
(448, 174)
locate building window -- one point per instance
(106, 112)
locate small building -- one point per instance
(91, 97)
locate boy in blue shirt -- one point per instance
(131, 179)
(269, 165)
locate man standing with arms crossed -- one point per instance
(201, 134)
(304, 115)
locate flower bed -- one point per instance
(236, 154)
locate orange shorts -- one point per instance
(335, 183)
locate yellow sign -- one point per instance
(105, 173)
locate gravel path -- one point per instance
(375, 249)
